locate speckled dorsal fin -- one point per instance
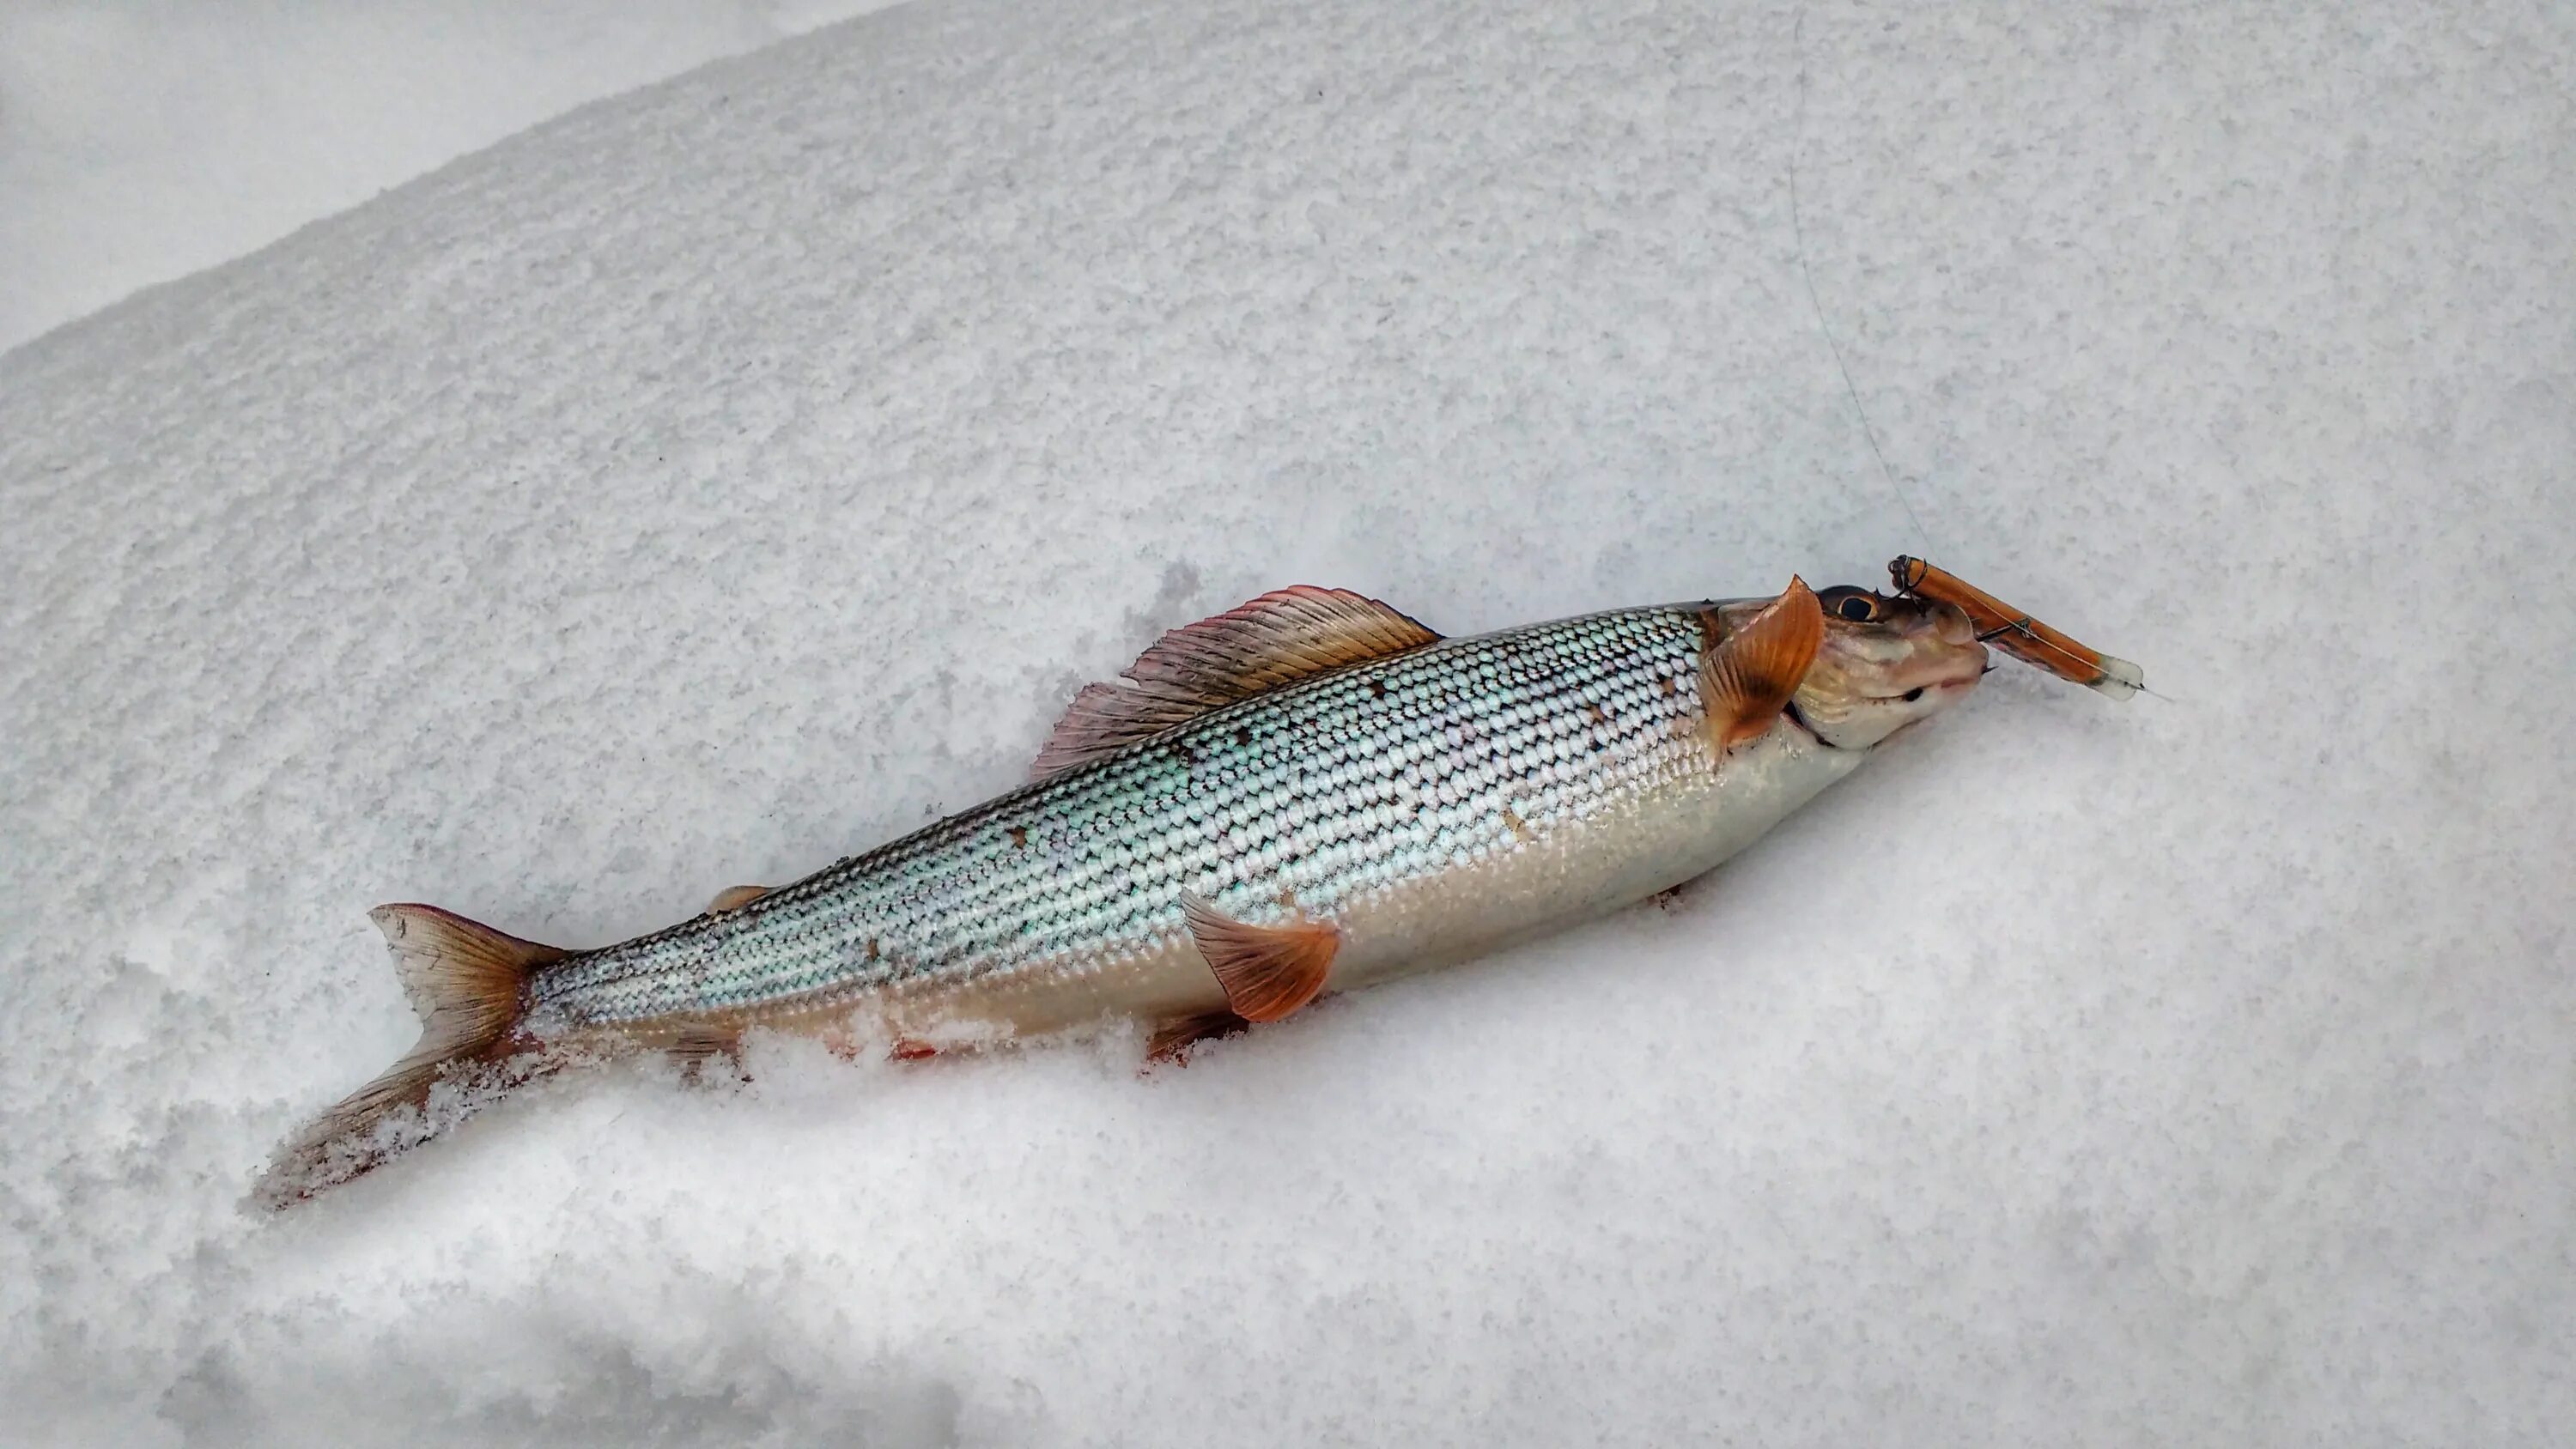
(1747, 675)
(1283, 636)
(1268, 972)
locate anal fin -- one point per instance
(700, 1046)
(1267, 972)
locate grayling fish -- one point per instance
(1310, 792)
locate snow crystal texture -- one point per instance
(735, 474)
(141, 139)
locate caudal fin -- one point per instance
(469, 984)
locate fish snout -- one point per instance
(1950, 624)
(1946, 653)
(1965, 666)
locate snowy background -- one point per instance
(141, 140)
(740, 471)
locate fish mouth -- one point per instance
(1955, 673)
(1798, 717)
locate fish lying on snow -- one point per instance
(1310, 792)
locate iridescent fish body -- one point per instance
(1311, 792)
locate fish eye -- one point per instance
(1858, 605)
(1914, 694)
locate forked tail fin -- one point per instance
(469, 984)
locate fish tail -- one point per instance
(469, 984)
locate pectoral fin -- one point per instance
(1268, 972)
(1748, 674)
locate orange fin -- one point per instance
(1173, 1039)
(1747, 675)
(1268, 972)
(1283, 636)
(468, 982)
(734, 898)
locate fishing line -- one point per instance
(2020, 627)
(1798, 228)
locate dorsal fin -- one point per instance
(1283, 636)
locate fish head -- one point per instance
(1885, 664)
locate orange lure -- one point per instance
(2017, 633)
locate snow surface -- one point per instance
(143, 139)
(735, 474)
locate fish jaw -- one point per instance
(1873, 679)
